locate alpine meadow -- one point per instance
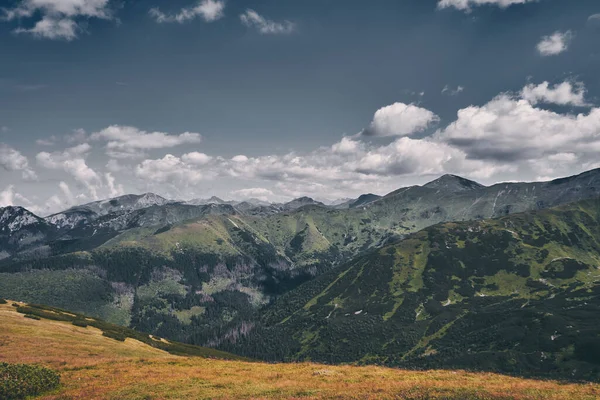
(209, 199)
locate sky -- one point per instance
(277, 99)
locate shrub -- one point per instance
(115, 335)
(80, 322)
(32, 317)
(18, 381)
(2, 301)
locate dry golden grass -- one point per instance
(96, 367)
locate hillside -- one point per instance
(519, 294)
(93, 366)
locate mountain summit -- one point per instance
(453, 183)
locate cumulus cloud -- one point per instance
(466, 5)
(511, 129)
(72, 161)
(400, 119)
(565, 93)
(554, 44)
(347, 146)
(59, 18)
(208, 10)
(130, 142)
(196, 158)
(252, 19)
(13, 160)
(169, 169)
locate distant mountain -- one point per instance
(363, 200)
(519, 294)
(21, 230)
(86, 213)
(212, 200)
(129, 202)
(258, 202)
(453, 183)
(301, 202)
(339, 202)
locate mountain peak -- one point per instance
(300, 202)
(15, 218)
(453, 183)
(364, 199)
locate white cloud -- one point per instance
(262, 194)
(509, 129)
(252, 19)
(565, 93)
(452, 92)
(13, 160)
(466, 5)
(46, 142)
(51, 28)
(169, 169)
(77, 136)
(208, 10)
(400, 119)
(407, 156)
(130, 142)
(347, 146)
(72, 161)
(114, 189)
(555, 44)
(239, 158)
(7, 196)
(113, 166)
(59, 18)
(196, 158)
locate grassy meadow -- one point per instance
(94, 366)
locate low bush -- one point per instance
(32, 317)
(80, 322)
(18, 381)
(115, 335)
(2, 301)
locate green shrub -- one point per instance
(16, 305)
(32, 317)
(17, 381)
(80, 322)
(115, 335)
(2, 301)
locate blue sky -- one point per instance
(281, 98)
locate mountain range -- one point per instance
(451, 273)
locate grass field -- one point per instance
(93, 366)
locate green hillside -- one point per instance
(519, 294)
